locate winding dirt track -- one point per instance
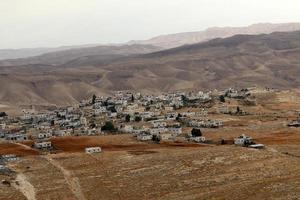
(73, 182)
(25, 187)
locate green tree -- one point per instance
(94, 99)
(178, 117)
(108, 126)
(127, 118)
(155, 138)
(3, 114)
(138, 118)
(196, 132)
(222, 98)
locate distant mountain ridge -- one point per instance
(164, 41)
(69, 56)
(242, 60)
(31, 52)
(179, 39)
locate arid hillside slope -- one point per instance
(243, 60)
(163, 41)
(79, 55)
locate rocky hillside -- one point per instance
(242, 60)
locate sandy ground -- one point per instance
(21, 183)
(128, 169)
(220, 172)
(71, 180)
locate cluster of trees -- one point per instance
(222, 98)
(94, 99)
(108, 126)
(196, 132)
(3, 114)
(178, 117)
(155, 138)
(127, 118)
(136, 118)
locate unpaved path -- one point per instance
(25, 146)
(72, 181)
(24, 186)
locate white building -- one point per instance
(171, 116)
(70, 109)
(98, 105)
(91, 150)
(100, 110)
(169, 108)
(144, 137)
(44, 135)
(175, 130)
(159, 124)
(157, 131)
(83, 121)
(199, 139)
(243, 140)
(61, 133)
(166, 136)
(15, 137)
(9, 158)
(42, 145)
(136, 132)
(188, 114)
(127, 129)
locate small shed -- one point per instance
(165, 136)
(243, 140)
(144, 137)
(91, 150)
(199, 139)
(42, 145)
(9, 158)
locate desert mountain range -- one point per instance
(179, 39)
(165, 41)
(68, 76)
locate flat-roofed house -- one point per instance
(91, 150)
(43, 145)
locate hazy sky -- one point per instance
(40, 23)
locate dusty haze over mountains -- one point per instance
(165, 41)
(54, 23)
(65, 77)
(62, 51)
(175, 40)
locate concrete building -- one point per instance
(243, 140)
(91, 150)
(144, 137)
(42, 145)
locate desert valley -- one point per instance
(213, 114)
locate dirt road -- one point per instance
(24, 186)
(73, 182)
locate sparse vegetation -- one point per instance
(108, 126)
(94, 99)
(222, 98)
(196, 132)
(127, 118)
(3, 114)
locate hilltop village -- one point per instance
(165, 117)
(197, 138)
